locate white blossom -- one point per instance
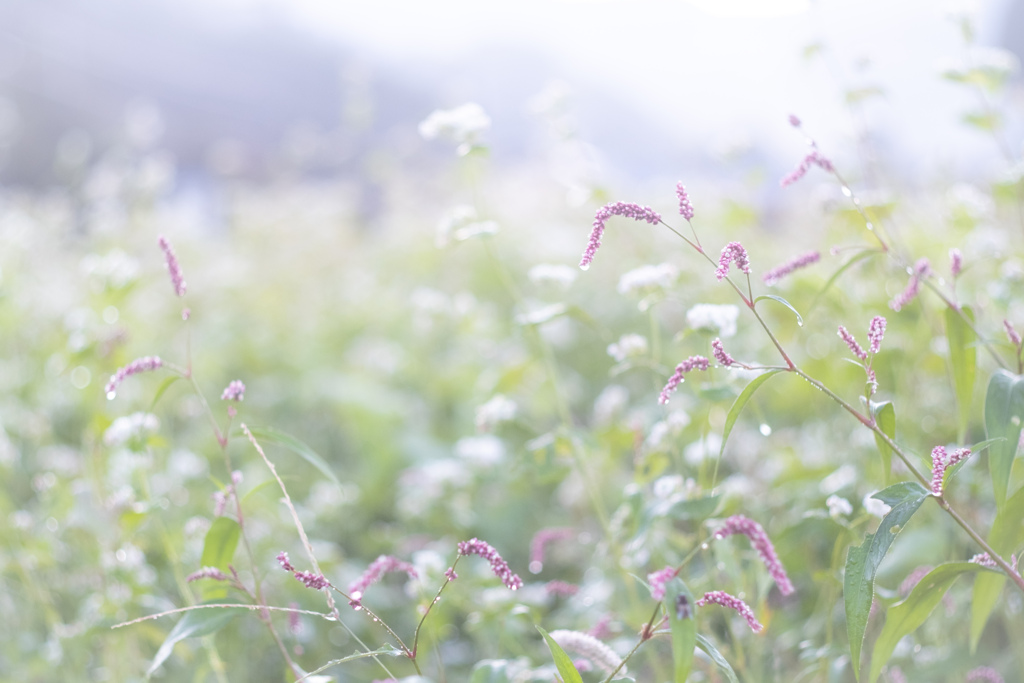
(838, 506)
(661, 276)
(714, 318)
(628, 346)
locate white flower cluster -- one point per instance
(713, 318)
(130, 426)
(462, 223)
(628, 346)
(462, 124)
(549, 273)
(497, 410)
(645, 278)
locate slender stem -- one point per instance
(1003, 564)
(223, 605)
(416, 633)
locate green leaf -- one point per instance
(562, 661)
(723, 665)
(963, 356)
(682, 612)
(885, 417)
(862, 561)
(852, 261)
(799, 320)
(907, 616)
(1007, 533)
(383, 650)
(296, 446)
(490, 671)
(200, 622)
(740, 403)
(164, 386)
(218, 549)
(857, 95)
(1004, 410)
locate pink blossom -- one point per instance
(634, 211)
(311, 580)
(498, 566)
(733, 251)
(144, 364)
(984, 673)
(235, 391)
(172, 266)
(985, 560)
(450, 574)
(956, 262)
(540, 541)
(282, 559)
(685, 207)
(794, 121)
(738, 524)
(855, 348)
(602, 629)
(691, 363)
(561, 588)
(875, 333)
(725, 600)
(721, 355)
(907, 295)
(658, 579)
(941, 461)
(801, 261)
(1011, 333)
(207, 573)
(814, 158)
(382, 565)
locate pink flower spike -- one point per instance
(207, 573)
(561, 588)
(634, 211)
(733, 251)
(172, 266)
(875, 333)
(540, 541)
(725, 600)
(721, 355)
(941, 461)
(985, 560)
(685, 207)
(144, 364)
(235, 391)
(1012, 333)
(813, 158)
(984, 673)
(801, 261)
(658, 579)
(738, 524)
(691, 363)
(794, 121)
(906, 296)
(923, 268)
(450, 574)
(310, 580)
(382, 565)
(956, 262)
(282, 558)
(855, 348)
(498, 566)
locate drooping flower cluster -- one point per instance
(984, 673)
(382, 565)
(207, 573)
(725, 600)
(144, 364)
(1012, 334)
(590, 647)
(942, 461)
(634, 211)
(717, 319)
(738, 524)
(658, 579)
(814, 158)
(721, 355)
(177, 279)
(235, 391)
(801, 261)
(921, 270)
(561, 588)
(855, 348)
(685, 207)
(733, 251)
(500, 568)
(875, 333)
(540, 541)
(691, 363)
(308, 579)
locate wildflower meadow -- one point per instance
(688, 434)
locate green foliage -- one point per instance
(1004, 411)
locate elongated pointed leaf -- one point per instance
(862, 561)
(1004, 412)
(799, 319)
(682, 613)
(218, 549)
(563, 662)
(740, 403)
(852, 261)
(383, 650)
(963, 357)
(907, 616)
(885, 417)
(720, 661)
(1007, 533)
(200, 622)
(162, 389)
(296, 446)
